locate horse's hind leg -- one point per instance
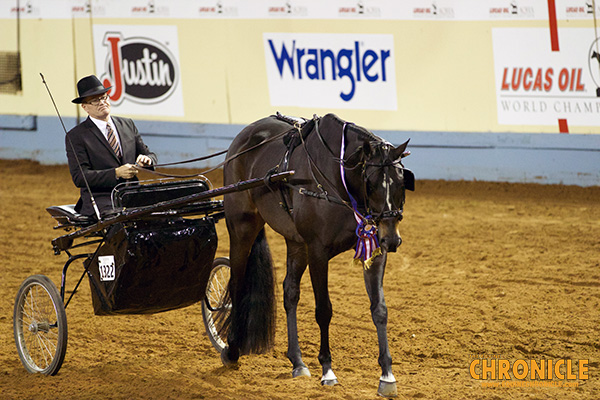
(296, 265)
(243, 230)
(374, 284)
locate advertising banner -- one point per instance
(141, 63)
(331, 70)
(538, 86)
(449, 10)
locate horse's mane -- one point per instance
(362, 132)
(353, 127)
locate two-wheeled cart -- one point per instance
(154, 253)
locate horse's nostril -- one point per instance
(391, 245)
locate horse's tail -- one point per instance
(253, 317)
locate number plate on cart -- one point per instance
(106, 267)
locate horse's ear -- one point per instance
(360, 154)
(369, 148)
(356, 157)
(400, 151)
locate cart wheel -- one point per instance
(216, 306)
(40, 325)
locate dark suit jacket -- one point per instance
(86, 144)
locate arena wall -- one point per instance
(491, 90)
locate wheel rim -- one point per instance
(37, 327)
(217, 305)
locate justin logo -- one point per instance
(139, 69)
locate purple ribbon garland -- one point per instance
(367, 243)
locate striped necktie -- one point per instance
(112, 140)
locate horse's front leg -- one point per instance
(319, 265)
(374, 284)
(296, 265)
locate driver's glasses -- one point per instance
(98, 100)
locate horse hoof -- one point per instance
(329, 382)
(300, 371)
(329, 379)
(387, 389)
(228, 362)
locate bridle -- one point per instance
(367, 245)
(390, 210)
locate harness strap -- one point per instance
(292, 140)
(357, 215)
(321, 138)
(321, 196)
(312, 165)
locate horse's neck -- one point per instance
(334, 134)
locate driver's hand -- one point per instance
(126, 171)
(143, 161)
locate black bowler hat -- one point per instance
(89, 86)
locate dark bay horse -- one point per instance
(345, 178)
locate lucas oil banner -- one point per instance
(538, 85)
(141, 63)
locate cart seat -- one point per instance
(67, 216)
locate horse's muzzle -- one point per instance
(389, 234)
(390, 243)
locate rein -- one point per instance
(193, 159)
(234, 156)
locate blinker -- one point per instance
(409, 179)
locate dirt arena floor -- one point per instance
(487, 271)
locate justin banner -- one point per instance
(141, 63)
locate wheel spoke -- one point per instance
(41, 348)
(47, 346)
(25, 307)
(217, 287)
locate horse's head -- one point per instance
(385, 181)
